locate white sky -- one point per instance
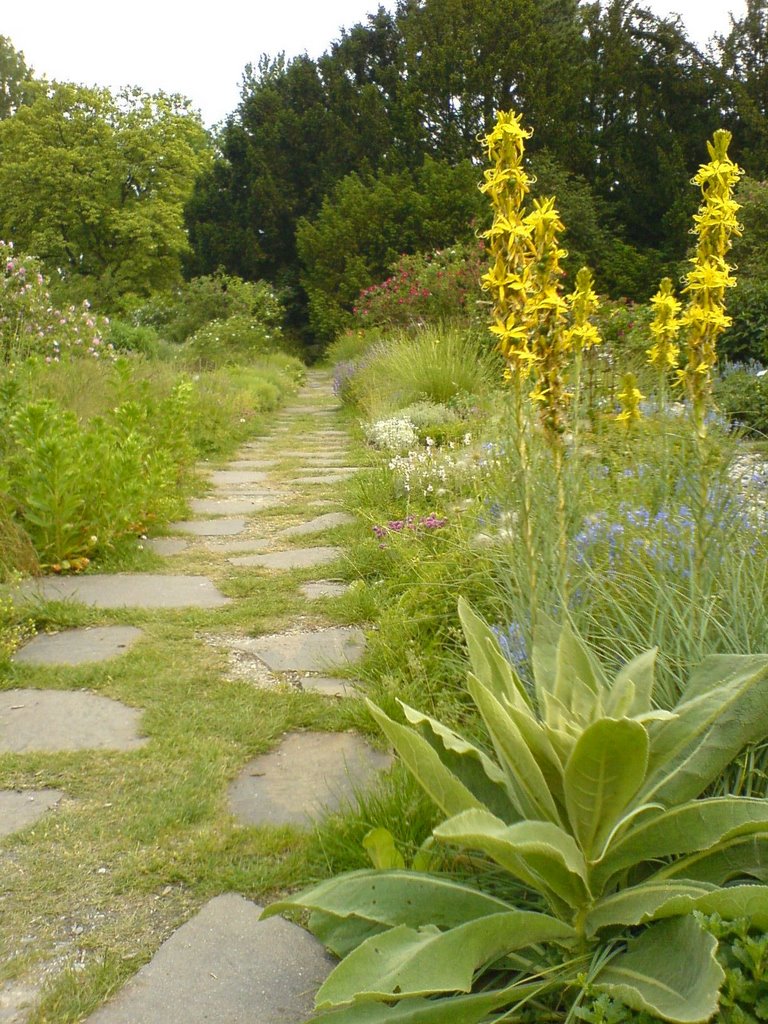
(165, 45)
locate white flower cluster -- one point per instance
(393, 435)
(435, 470)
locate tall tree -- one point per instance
(15, 78)
(742, 56)
(95, 186)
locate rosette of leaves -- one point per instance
(592, 805)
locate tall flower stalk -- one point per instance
(507, 185)
(706, 283)
(664, 353)
(582, 335)
(545, 317)
(702, 321)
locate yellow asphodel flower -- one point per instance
(629, 398)
(706, 283)
(582, 334)
(664, 353)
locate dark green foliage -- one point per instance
(370, 220)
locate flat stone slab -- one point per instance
(329, 686)
(236, 506)
(19, 809)
(210, 527)
(166, 545)
(225, 966)
(293, 558)
(326, 478)
(120, 590)
(305, 651)
(233, 546)
(309, 774)
(222, 477)
(78, 646)
(52, 720)
(323, 588)
(326, 522)
(248, 463)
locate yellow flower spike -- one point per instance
(584, 303)
(629, 398)
(705, 318)
(664, 353)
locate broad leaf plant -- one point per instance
(592, 810)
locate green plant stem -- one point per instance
(526, 506)
(562, 516)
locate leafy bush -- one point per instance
(30, 325)
(747, 337)
(177, 315)
(238, 339)
(425, 289)
(395, 434)
(741, 393)
(592, 816)
(125, 337)
(435, 422)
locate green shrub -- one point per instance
(178, 314)
(238, 339)
(126, 337)
(741, 393)
(747, 337)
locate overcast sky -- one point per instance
(164, 44)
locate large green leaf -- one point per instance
(539, 853)
(642, 903)
(670, 971)
(340, 935)
(707, 731)
(395, 897)
(744, 857)
(578, 678)
(404, 962)
(603, 773)
(524, 776)
(487, 661)
(696, 825)
(655, 900)
(422, 760)
(472, 1009)
(633, 683)
(470, 765)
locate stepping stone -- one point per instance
(329, 478)
(323, 588)
(308, 651)
(225, 966)
(329, 686)
(232, 546)
(21, 809)
(321, 458)
(326, 522)
(120, 590)
(247, 463)
(237, 476)
(166, 545)
(210, 527)
(78, 646)
(53, 720)
(235, 506)
(309, 774)
(292, 558)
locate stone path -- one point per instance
(224, 966)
